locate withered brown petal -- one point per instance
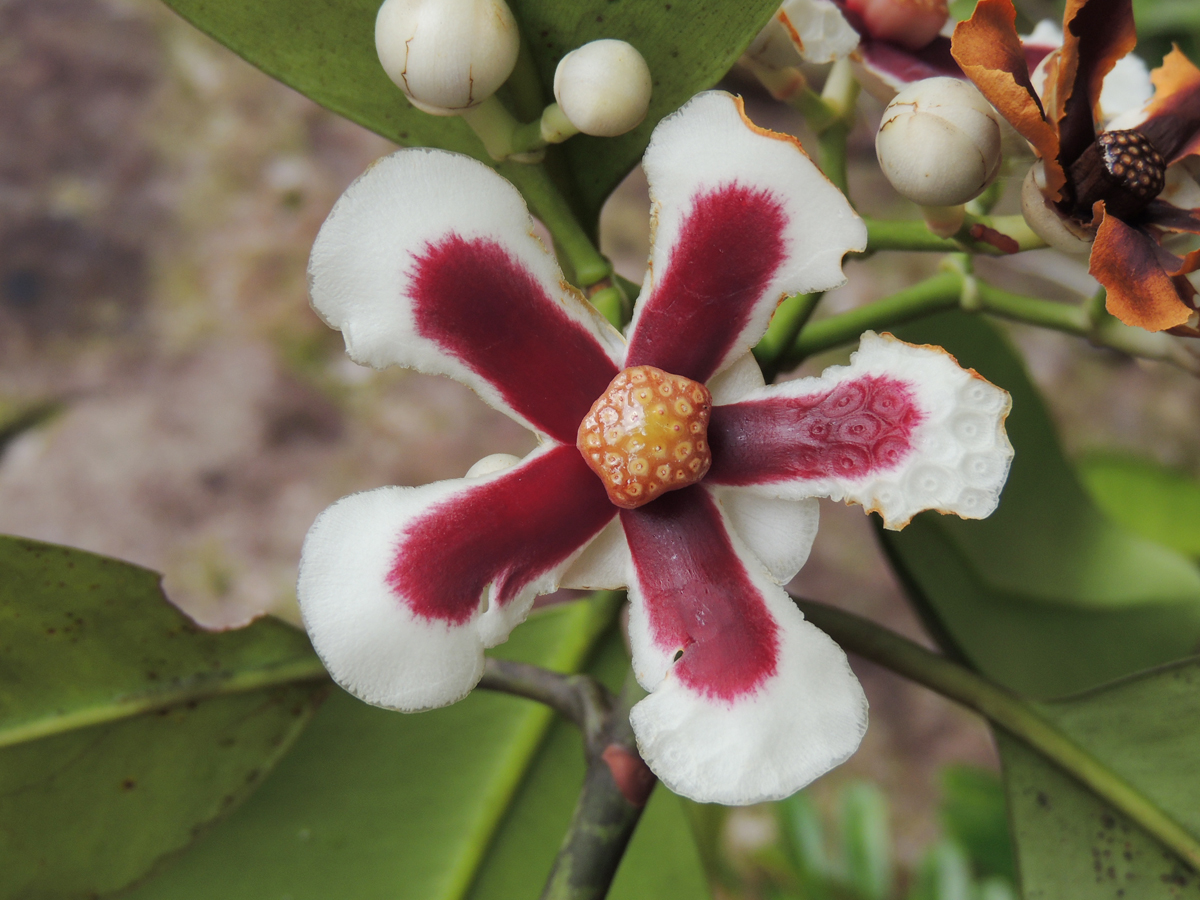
(1164, 215)
(1141, 290)
(1173, 114)
(989, 51)
(1096, 33)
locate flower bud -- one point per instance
(909, 23)
(603, 88)
(446, 55)
(939, 142)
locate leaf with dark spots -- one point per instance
(128, 701)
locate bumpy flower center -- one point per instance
(1123, 169)
(647, 434)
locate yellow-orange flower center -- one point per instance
(647, 434)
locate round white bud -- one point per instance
(446, 55)
(603, 88)
(939, 142)
(1059, 231)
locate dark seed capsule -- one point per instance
(1123, 169)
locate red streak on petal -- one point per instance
(479, 304)
(699, 597)
(504, 532)
(730, 245)
(858, 427)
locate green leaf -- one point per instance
(377, 804)
(124, 729)
(326, 51)
(973, 814)
(1158, 503)
(1047, 596)
(1071, 845)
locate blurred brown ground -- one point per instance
(158, 197)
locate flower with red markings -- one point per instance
(893, 43)
(1099, 186)
(429, 261)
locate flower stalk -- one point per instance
(615, 791)
(582, 263)
(616, 786)
(1006, 710)
(957, 289)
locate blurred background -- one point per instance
(168, 397)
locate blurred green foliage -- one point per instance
(851, 854)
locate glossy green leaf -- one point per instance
(326, 51)
(1047, 596)
(1070, 844)
(973, 814)
(457, 802)
(1158, 503)
(124, 729)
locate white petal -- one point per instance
(780, 533)
(900, 430)
(808, 719)
(818, 29)
(742, 218)
(397, 588)
(743, 377)
(429, 258)
(604, 563)
(748, 702)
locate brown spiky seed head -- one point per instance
(1133, 163)
(647, 434)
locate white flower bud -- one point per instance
(939, 142)
(603, 88)
(446, 55)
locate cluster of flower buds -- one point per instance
(449, 57)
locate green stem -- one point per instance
(785, 325)
(942, 291)
(139, 704)
(915, 236)
(1032, 311)
(1006, 710)
(580, 699)
(957, 288)
(831, 154)
(615, 790)
(582, 263)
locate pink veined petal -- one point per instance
(742, 219)
(429, 261)
(402, 588)
(748, 701)
(900, 430)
